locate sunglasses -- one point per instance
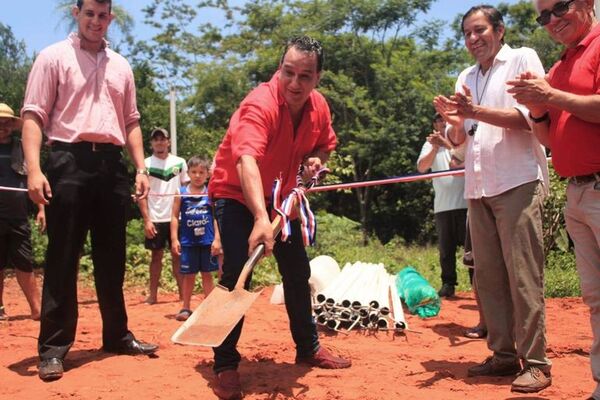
(559, 9)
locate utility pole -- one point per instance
(173, 120)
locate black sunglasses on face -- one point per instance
(559, 9)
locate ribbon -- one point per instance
(297, 196)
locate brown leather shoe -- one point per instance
(227, 386)
(324, 359)
(494, 367)
(531, 380)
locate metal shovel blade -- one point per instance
(216, 316)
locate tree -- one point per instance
(14, 68)
(381, 103)
(123, 21)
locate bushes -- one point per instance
(338, 237)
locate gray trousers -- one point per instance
(582, 216)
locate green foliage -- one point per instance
(14, 68)
(561, 278)
(555, 233)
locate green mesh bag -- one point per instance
(418, 295)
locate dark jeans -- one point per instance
(90, 193)
(451, 230)
(235, 223)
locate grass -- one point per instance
(341, 239)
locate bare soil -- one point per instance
(430, 362)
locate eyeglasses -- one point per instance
(559, 9)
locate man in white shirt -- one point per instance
(167, 173)
(449, 204)
(506, 177)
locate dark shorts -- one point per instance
(162, 238)
(15, 245)
(196, 259)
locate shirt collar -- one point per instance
(76, 40)
(585, 42)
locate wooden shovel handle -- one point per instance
(256, 255)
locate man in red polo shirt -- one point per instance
(278, 126)
(564, 109)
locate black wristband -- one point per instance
(543, 118)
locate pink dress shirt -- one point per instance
(80, 96)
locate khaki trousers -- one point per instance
(506, 231)
(582, 216)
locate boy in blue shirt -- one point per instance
(194, 234)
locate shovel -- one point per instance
(218, 314)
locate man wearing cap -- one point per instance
(82, 94)
(564, 109)
(15, 233)
(167, 174)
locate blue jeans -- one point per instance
(235, 223)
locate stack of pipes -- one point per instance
(363, 296)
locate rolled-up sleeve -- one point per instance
(250, 134)
(42, 86)
(131, 114)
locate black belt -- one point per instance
(87, 146)
(583, 179)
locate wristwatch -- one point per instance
(142, 171)
(543, 118)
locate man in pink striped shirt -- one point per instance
(82, 95)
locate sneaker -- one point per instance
(531, 380)
(324, 359)
(494, 367)
(227, 386)
(447, 290)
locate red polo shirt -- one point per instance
(262, 128)
(575, 143)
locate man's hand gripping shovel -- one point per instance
(218, 314)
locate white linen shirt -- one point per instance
(499, 159)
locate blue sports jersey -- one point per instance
(196, 225)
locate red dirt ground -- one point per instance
(430, 363)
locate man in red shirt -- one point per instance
(278, 126)
(564, 110)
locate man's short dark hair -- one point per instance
(491, 13)
(109, 2)
(305, 43)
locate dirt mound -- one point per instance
(430, 362)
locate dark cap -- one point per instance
(159, 131)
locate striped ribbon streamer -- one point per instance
(284, 208)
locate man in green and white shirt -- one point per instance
(167, 173)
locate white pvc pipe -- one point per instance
(397, 311)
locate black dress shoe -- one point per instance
(133, 347)
(51, 369)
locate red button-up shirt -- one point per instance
(575, 143)
(262, 127)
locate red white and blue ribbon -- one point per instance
(297, 197)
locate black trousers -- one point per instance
(235, 224)
(90, 193)
(451, 231)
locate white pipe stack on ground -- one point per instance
(397, 311)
